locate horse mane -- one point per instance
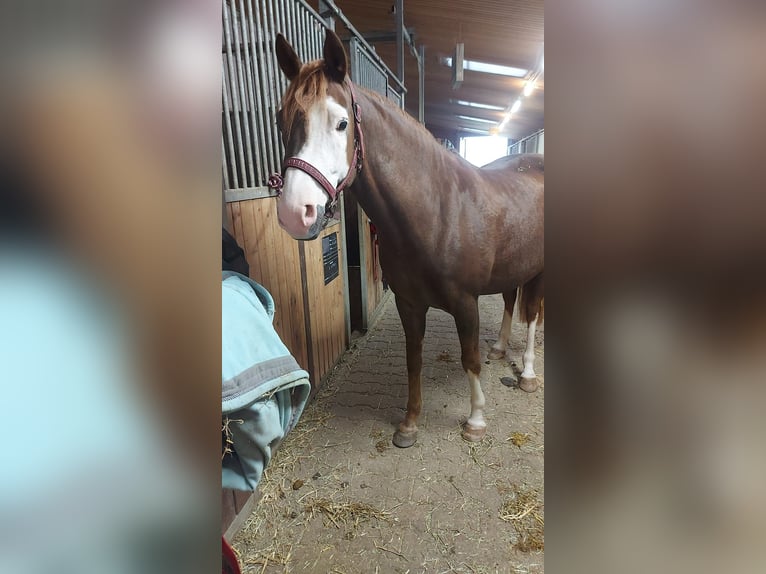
(427, 138)
(303, 92)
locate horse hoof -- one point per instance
(472, 433)
(529, 384)
(405, 439)
(495, 354)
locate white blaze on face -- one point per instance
(325, 149)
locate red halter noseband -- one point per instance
(276, 181)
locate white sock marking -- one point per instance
(505, 333)
(477, 401)
(529, 353)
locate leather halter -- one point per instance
(276, 181)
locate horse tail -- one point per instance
(532, 301)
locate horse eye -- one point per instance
(342, 125)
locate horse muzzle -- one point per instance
(304, 223)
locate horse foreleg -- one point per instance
(413, 319)
(467, 322)
(498, 349)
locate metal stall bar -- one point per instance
(256, 48)
(328, 20)
(317, 39)
(226, 184)
(272, 80)
(227, 135)
(422, 84)
(283, 28)
(394, 96)
(248, 46)
(399, 19)
(235, 103)
(533, 143)
(292, 28)
(354, 32)
(263, 87)
(248, 175)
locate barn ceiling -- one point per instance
(503, 32)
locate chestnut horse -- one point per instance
(448, 231)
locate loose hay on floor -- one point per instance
(368, 508)
(276, 549)
(518, 439)
(344, 512)
(523, 510)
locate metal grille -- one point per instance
(366, 72)
(251, 148)
(395, 97)
(253, 83)
(534, 143)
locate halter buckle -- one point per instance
(276, 182)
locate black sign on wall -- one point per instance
(330, 257)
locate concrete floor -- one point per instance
(339, 497)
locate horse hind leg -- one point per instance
(467, 322)
(531, 309)
(498, 349)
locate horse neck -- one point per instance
(397, 186)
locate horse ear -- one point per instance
(289, 62)
(335, 61)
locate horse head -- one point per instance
(316, 122)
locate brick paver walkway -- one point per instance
(441, 500)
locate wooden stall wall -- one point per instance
(235, 507)
(310, 316)
(274, 260)
(373, 272)
(326, 306)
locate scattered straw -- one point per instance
(344, 512)
(228, 440)
(394, 552)
(523, 511)
(518, 439)
(276, 553)
(478, 450)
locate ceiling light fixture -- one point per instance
(529, 87)
(473, 119)
(478, 105)
(487, 68)
(474, 130)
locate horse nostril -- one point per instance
(311, 213)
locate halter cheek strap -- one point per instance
(276, 181)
